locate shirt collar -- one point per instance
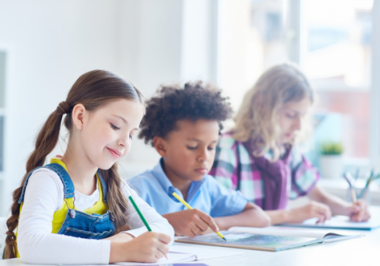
(161, 177)
(167, 185)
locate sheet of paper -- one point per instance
(343, 222)
(340, 222)
(205, 253)
(173, 257)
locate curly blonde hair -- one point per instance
(257, 117)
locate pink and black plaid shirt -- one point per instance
(232, 158)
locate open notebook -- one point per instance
(260, 241)
(324, 235)
(184, 253)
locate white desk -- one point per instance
(358, 251)
(361, 251)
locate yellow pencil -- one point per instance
(189, 207)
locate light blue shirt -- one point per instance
(206, 195)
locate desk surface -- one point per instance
(360, 251)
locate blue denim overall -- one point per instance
(78, 223)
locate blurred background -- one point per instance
(46, 45)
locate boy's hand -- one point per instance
(191, 222)
(359, 212)
(311, 210)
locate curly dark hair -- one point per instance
(192, 101)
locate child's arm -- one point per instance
(36, 243)
(155, 221)
(251, 216)
(358, 212)
(43, 197)
(191, 222)
(298, 215)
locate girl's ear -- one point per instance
(78, 116)
(159, 145)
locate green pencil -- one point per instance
(141, 216)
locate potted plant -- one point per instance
(331, 160)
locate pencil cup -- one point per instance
(349, 194)
(365, 196)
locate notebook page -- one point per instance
(173, 257)
(205, 253)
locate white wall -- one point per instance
(165, 41)
(150, 54)
(51, 43)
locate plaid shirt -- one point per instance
(230, 153)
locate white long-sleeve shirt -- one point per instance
(43, 196)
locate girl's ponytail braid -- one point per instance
(46, 141)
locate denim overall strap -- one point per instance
(68, 185)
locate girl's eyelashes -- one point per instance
(290, 115)
(114, 127)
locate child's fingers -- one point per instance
(192, 233)
(209, 221)
(362, 215)
(321, 218)
(195, 229)
(324, 210)
(163, 250)
(201, 225)
(164, 238)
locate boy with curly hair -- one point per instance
(183, 124)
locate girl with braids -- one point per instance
(259, 155)
(75, 210)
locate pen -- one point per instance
(352, 189)
(141, 216)
(366, 187)
(189, 207)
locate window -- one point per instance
(330, 40)
(336, 57)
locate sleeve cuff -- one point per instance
(240, 203)
(136, 232)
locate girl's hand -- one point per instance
(191, 222)
(148, 247)
(311, 210)
(358, 211)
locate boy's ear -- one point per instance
(159, 145)
(77, 116)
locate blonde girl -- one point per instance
(259, 156)
(75, 210)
